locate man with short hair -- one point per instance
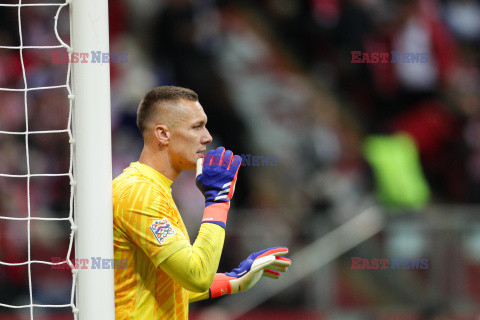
(165, 271)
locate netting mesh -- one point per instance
(55, 108)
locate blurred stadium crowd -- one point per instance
(275, 78)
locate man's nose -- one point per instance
(207, 138)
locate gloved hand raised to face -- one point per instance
(216, 177)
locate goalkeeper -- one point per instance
(165, 271)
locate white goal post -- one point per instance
(93, 163)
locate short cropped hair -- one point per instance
(158, 97)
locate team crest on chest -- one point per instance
(162, 229)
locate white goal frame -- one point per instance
(92, 160)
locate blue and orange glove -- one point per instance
(267, 262)
(216, 178)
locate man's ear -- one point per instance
(162, 134)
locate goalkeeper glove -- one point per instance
(263, 263)
(216, 178)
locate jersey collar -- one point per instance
(152, 173)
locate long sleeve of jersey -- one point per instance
(197, 296)
(195, 266)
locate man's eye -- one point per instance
(197, 127)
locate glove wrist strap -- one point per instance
(220, 285)
(216, 213)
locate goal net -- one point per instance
(55, 162)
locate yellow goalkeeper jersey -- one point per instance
(147, 230)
